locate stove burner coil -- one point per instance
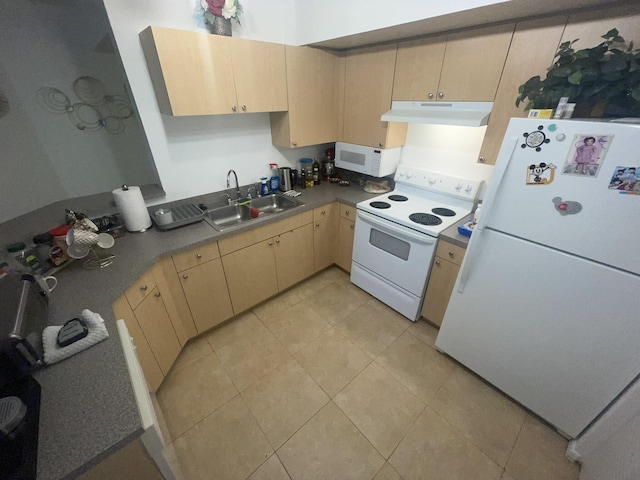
(425, 219)
(381, 205)
(445, 212)
(398, 198)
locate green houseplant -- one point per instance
(607, 75)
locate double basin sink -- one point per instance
(222, 218)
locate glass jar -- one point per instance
(316, 171)
(306, 164)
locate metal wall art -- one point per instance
(97, 109)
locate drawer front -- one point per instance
(196, 256)
(347, 211)
(138, 291)
(324, 211)
(451, 252)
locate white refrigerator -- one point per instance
(546, 306)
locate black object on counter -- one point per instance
(72, 331)
(19, 448)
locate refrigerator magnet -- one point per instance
(626, 180)
(540, 174)
(586, 155)
(566, 207)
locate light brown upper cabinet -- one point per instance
(312, 117)
(464, 66)
(532, 49)
(202, 74)
(367, 95)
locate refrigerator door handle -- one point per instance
(476, 239)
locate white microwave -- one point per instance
(377, 162)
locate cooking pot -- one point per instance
(288, 178)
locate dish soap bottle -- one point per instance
(275, 179)
(264, 188)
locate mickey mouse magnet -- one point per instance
(540, 174)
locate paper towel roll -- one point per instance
(131, 206)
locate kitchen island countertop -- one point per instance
(88, 409)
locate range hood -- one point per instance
(467, 114)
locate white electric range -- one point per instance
(396, 234)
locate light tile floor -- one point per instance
(325, 382)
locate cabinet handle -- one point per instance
(437, 262)
(144, 288)
(295, 144)
(244, 108)
(277, 240)
(185, 276)
(440, 94)
(157, 294)
(346, 212)
(352, 226)
(317, 224)
(451, 254)
(323, 212)
(198, 256)
(482, 160)
(430, 95)
(270, 243)
(381, 144)
(234, 108)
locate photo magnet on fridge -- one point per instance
(540, 174)
(587, 154)
(626, 180)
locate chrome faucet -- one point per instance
(237, 185)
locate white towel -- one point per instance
(97, 332)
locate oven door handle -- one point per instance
(397, 231)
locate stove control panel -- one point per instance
(438, 182)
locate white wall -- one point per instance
(318, 20)
(50, 45)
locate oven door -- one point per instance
(398, 254)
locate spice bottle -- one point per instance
(316, 171)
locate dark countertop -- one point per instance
(88, 409)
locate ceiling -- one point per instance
(497, 13)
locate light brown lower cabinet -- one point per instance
(294, 259)
(152, 372)
(205, 287)
(325, 235)
(444, 272)
(345, 248)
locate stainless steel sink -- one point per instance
(225, 217)
(274, 203)
(222, 218)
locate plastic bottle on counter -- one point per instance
(275, 178)
(264, 188)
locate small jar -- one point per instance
(43, 244)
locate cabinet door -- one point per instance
(152, 372)
(169, 287)
(418, 67)
(191, 72)
(345, 248)
(312, 117)
(473, 62)
(367, 95)
(260, 75)
(206, 290)
(157, 328)
(294, 256)
(325, 236)
(251, 275)
(532, 49)
(441, 283)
